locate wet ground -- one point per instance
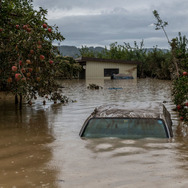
(40, 146)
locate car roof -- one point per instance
(130, 110)
(149, 110)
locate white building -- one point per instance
(95, 68)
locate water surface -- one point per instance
(40, 146)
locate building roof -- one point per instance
(83, 60)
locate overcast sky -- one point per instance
(102, 22)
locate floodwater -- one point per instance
(40, 146)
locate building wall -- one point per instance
(96, 69)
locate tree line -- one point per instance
(155, 63)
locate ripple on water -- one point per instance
(40, 145)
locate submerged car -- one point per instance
(129, 121)
(121, 76)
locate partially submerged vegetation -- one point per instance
(179, 52)
(67, 67)
(27, 55)
(156, 63)
(94, 86)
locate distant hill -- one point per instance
(73, 51)
(151, 49)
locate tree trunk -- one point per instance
(16, 99)
(176, 65)
(20, 101)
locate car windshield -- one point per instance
(125, 128)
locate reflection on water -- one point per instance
(41, 147)
(24, 151)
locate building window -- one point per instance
(110, 72)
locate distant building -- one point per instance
(96, 68)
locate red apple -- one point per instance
(17, 76)
(39, 46)
(9, 80)
(186, 104)
(32, 52)
(49, 30)
(51, 62)
(23, 70)
(28, 61)
(44, 26)
(23, 79)
(30, 69)
(28, 30)
(185, 74)
(28, 74)
(1, 29)
(42, 57)
(25, 27)
(14, 68)
(17, 26)
(20, 62)
(178, 107)
(39, 42)
(181, 118)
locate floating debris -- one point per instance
(94, 86)
(115, 88)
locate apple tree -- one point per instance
(179, 52)
(180, 96)
(180, 85)
(27, 66)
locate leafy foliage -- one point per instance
(180, 85)
(67, 67)
(158, 64)
(179, 46)
(180, 61)
(154, 63)
(26, 53)
(180, 94)
(160, 24)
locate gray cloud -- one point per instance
(99, 23)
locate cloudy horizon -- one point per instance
(100, 23)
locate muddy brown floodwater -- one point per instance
(40, 146)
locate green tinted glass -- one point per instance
(125, 128)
